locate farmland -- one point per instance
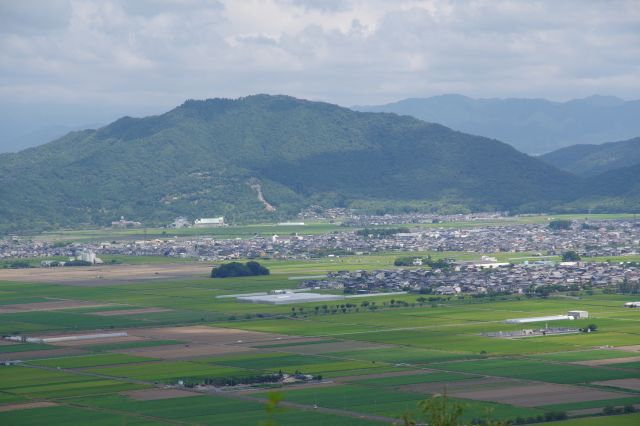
(371, 365)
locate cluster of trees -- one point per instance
(570, 256)
(78, 263)
(440, 410)
(560, 224)
(549, 416)
(590, 328)
(16, 264)
(244, 380)
(237, 269)
(428, 261)
(627, 287)
(234, 380)
(627, 409)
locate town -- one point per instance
(483, 278)
(588, 238)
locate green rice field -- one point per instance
(371, 362)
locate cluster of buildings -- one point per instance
(179, 222)
(123, 223)
(360, 220)
(476, 278)
(601, 238)
(350, 217)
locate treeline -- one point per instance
(428, 261)
(237, 269)
(16, 264)
(560, 224)
(248, 380)
(628, 287)
(234, 380)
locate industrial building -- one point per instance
(209, 222)
(578, 314)
(571, 315)
(285, 298)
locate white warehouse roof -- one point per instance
(538, 319)
(287, 298)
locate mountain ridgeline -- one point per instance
(534, 126)
(207, 158)
(592, 160)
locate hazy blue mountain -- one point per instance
(25, 125)
(591, 160)
(206, 158)
(534, 126)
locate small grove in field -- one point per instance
(237, 269)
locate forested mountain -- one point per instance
(591, 160)
(214, 157)
(613, 191)
(534, 126)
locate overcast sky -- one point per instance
(74, 62)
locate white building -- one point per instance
(578, 314)
(122, 223)
(181, 222)
(209, 222)
(87, 256)
(632, 305)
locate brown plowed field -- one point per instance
(49, 306)
(93, 276)
(541, 394)
(610, 361)
(633, 384)
(26, 406)
(130, 312)
(516, 392)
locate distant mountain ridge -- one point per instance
(591, 160)
(534, 126)
(205, 158)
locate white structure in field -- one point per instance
(86, 255)
(578, 314)
(286, 297)
(537, 319)
(632, 305)
(209, 222)
(571, 315)
(70, 338)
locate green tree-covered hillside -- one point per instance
(214, 157)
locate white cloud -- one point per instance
(350, 52)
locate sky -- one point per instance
(67, 64)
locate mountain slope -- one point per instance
(616, 190)
(591, 160)
(534, 126)
(204, 158)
